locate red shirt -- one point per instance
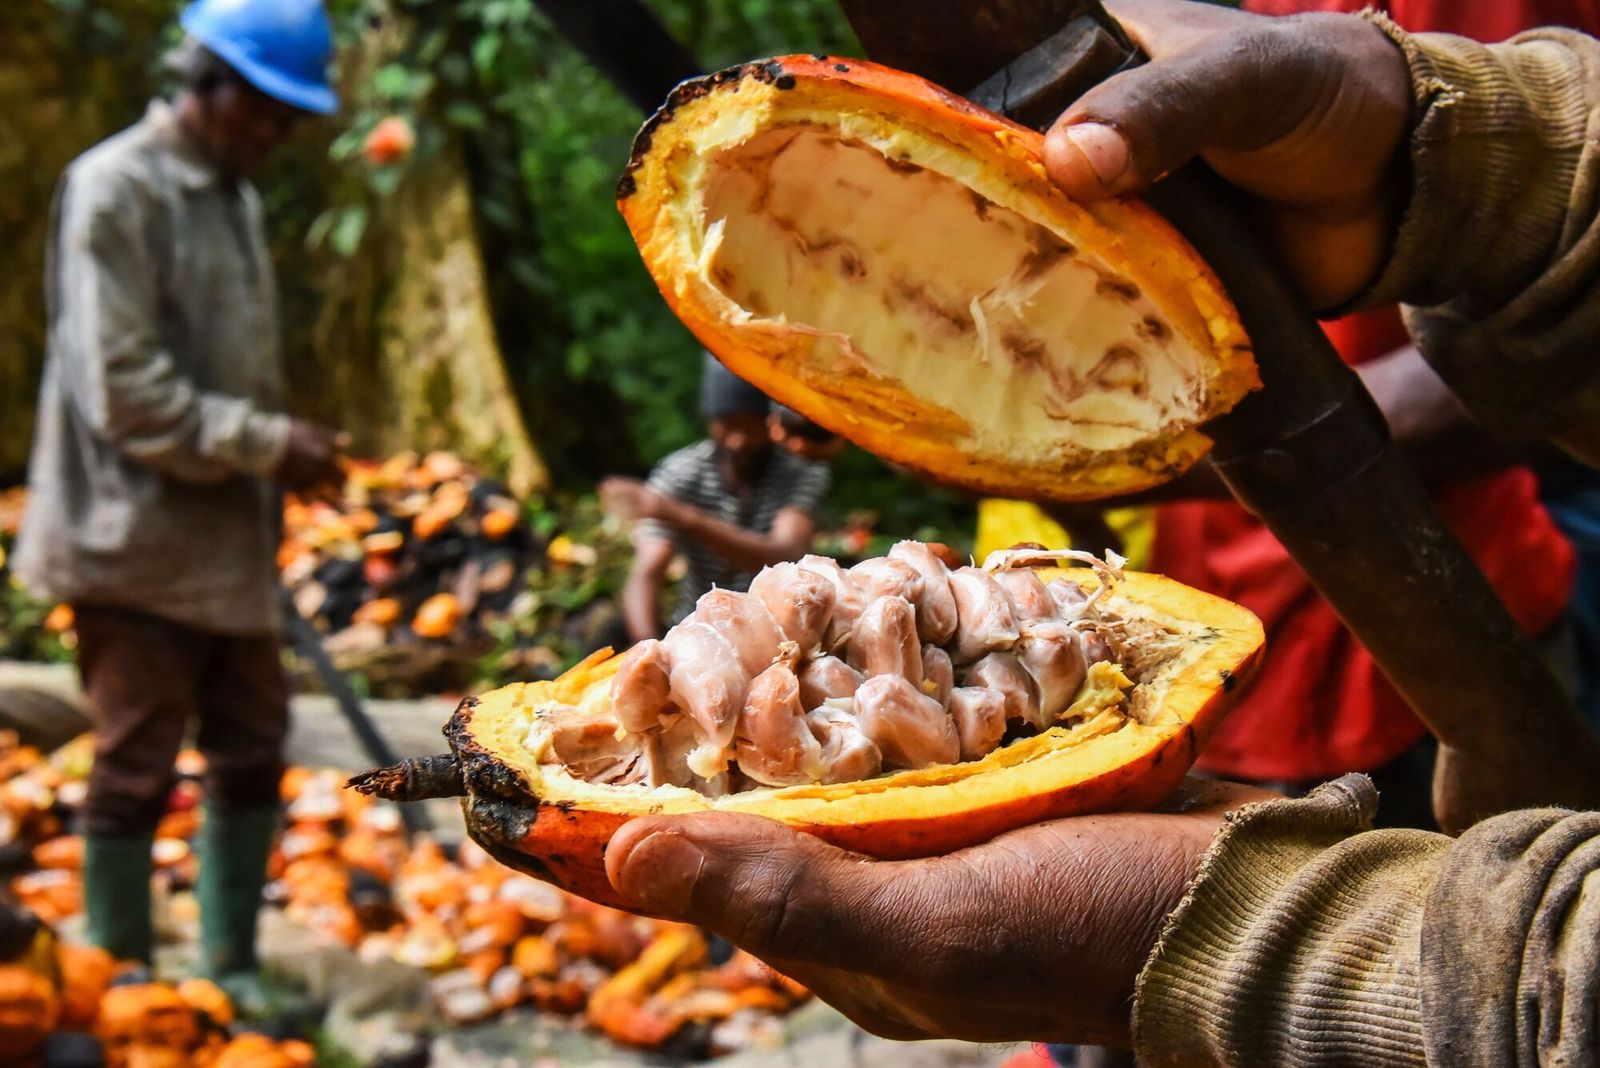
(1320, 706)
(1482, 20)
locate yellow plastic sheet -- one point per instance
(1002, 524)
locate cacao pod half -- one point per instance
(539, 818)
(893, 262)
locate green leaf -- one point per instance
(428, 47)
(484, 51)
(320, 227)
(466, 116)
(347, 145)
(385, 180)
(348, 231)
(392, 80)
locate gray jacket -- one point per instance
(159, 416)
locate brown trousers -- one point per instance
(147, 680)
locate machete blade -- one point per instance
(957, 43)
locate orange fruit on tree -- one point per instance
(390, 141)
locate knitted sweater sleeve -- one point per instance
(1308, 939)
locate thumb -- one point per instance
(1134, 128)
(1219, 82)
(769, 889)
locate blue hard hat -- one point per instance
(282, 47)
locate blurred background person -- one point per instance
(792, 431)
(729, 505)
(157, 465)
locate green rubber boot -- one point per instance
(234, 847)
(116, 895)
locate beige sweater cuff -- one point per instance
(1297, 944)
(1496, 135)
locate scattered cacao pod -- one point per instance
(437, 616)
(86, 973)
(28, 1011)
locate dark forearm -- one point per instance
(747, 550)
(1428, 422)
(641, 604)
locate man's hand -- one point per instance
(631, 500)
(311, 462)
(1307, 114)
(1036, 935)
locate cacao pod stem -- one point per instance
(417, 779)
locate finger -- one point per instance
(1136, 127)
(979, 1013)
(1164, 27)
(1197, 795)
(868, 1002)
(786, 895)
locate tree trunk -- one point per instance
(437, 348)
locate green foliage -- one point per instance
(23, 635)
(570, 598)
(605, 374)
(608, 375)
(548, 135)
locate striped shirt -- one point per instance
(691, 475)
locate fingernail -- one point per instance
(1104, 148)
(661, 871)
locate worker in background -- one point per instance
(161, 451)
(730, 505)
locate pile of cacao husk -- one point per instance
(64, 1005)
(493, 939)
(409, 569)
(62, 1002)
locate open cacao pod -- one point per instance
(894, 263)
(1121, 737)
